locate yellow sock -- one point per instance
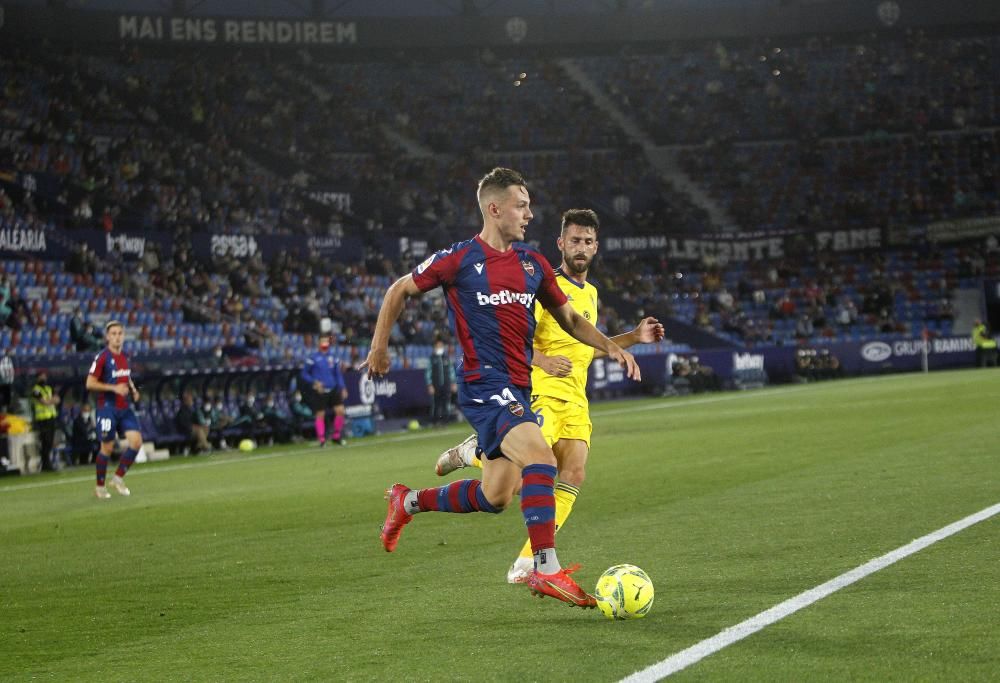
(477, 462)
(565, 497)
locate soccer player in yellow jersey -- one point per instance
(559, 376)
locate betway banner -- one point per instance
(126, 245)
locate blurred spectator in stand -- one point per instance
(804, 327)
(847, 313)
(6, 382)
(5, 298)
(83, 334)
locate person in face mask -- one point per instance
(83, 436)
(440, 377)
(278, 420)
(220, 421)
(45, 408)
(324, 390)
(302, 415)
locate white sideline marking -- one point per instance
(733, 634)
(393, 439)
(314, 449)
(666, 405)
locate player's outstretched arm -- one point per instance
(648, 331)
(582, 330)
(395, 298)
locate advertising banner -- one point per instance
(743, 248)
(400, 392)
(21, 240)
(207, 246)
(128, 245)
(963, 229)
(684, 21)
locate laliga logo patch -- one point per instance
(529, 267)
(426, 264)
(516, 409)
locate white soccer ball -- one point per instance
(624, 592)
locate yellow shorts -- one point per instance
(562, 420)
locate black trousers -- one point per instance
(46, 437)
(441, 405)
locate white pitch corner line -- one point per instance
(733, 634)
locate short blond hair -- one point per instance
(499, 179)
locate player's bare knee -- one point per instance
(541, 457)
(574, 476)
(499, 501)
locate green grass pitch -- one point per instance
(267, 566)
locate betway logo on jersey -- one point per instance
(505, 297)
(115, 374)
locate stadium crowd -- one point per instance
(786, 138)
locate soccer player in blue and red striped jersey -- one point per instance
(111, 379)
(491, 283)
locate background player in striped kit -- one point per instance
(491, 283)
(559, 376)
(111, 379)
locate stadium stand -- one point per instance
(788, 138)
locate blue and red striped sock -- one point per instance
(465, 495)
(128, 457)
(538, 505)
(101, 463)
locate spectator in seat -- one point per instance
(6, 382)
(279, 421)
(193, 424)
(301, 413)
(5, 297)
